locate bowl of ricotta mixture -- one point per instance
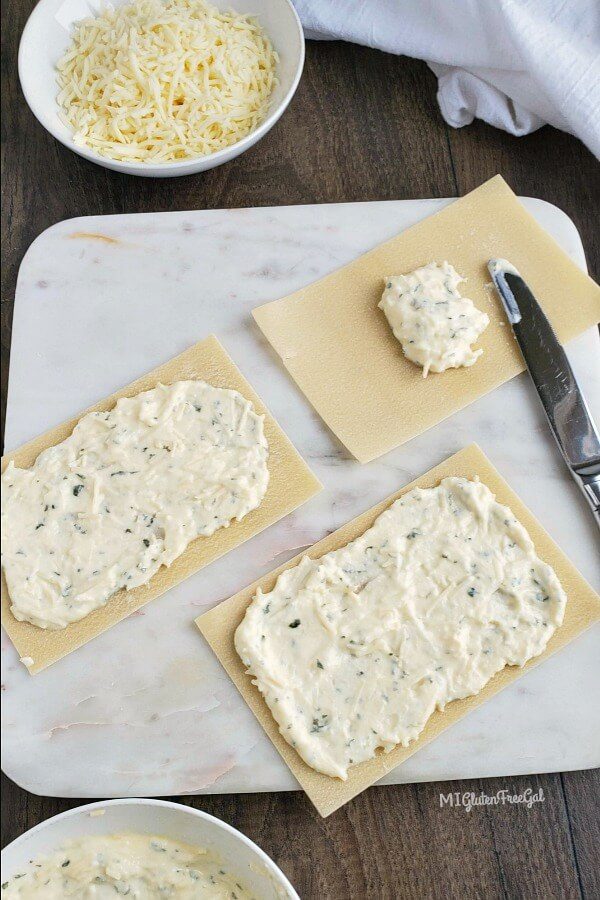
(142, 849)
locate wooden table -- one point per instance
(363, 126)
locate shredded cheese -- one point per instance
(155, 81)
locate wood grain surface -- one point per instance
(363, 126)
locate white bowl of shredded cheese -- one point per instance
(142, 847)
(160, 88)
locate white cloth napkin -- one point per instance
(516, 64)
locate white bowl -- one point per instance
(47, 35)
(250, 865)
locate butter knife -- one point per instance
(553, 377)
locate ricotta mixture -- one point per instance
(434, 324)
(138, 866)
(124, 494)
(354, 651)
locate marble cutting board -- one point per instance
(145, 709)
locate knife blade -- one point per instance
(554, 380)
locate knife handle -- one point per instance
(590, 485)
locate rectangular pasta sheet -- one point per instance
(338, 347)
(291, 483)
(328, 794)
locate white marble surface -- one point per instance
(145, 709)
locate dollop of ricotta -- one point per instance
(354, 651)
(141, 866)
(125, 494)
(434, 324)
